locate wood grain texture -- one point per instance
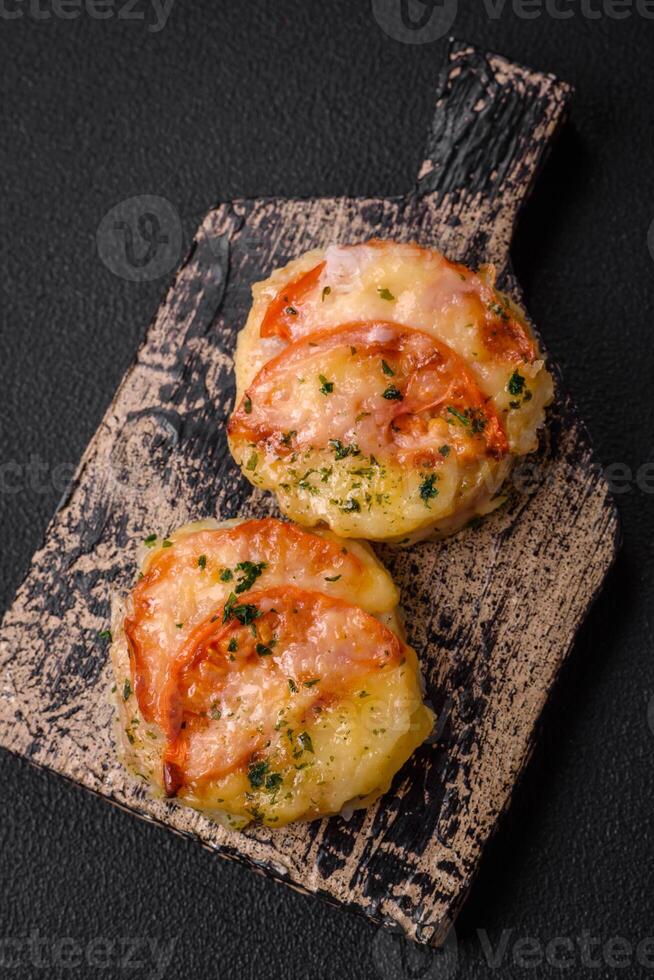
(493, 611)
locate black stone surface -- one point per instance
(303, 98)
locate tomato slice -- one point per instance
(434, 289)
(241, 669)
(284, 313)
(181, 583)
(394, 382)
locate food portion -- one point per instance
(378, 444)
(261, 673)
(384, 391)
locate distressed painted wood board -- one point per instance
(492, 611)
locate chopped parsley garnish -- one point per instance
(428, 489)
(226, 575)
(341, 450)
(351, 505)
(312, 682)
(127, 689)
(244, 612)
(166, 543)
(252, 462)
(463, 419)
(179, 626)
(202, 562)
(250, 572)
(478, 420)
(287, 437)
(292, 686)
(305, 741)
(149, 542)
(232, 646)
(105, 635)
(309, 487)
(326, 387)
(332, 578)
(516, 384)
(387, 369)
(257, 773)
(265, 649)
(325, 292)
(291, 311)
(274, 781)
(392, 394)
(444, 450)
(384, 293)
(247, 404)
(215, 713)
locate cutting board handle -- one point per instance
(493, 125)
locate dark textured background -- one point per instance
(297, 97)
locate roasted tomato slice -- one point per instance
(404, 283)
(285, 313)
(184, 581)
(375, 387)
(278, 653)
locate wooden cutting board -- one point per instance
(492, 612)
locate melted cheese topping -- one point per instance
(261, 674)
(286, 425)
